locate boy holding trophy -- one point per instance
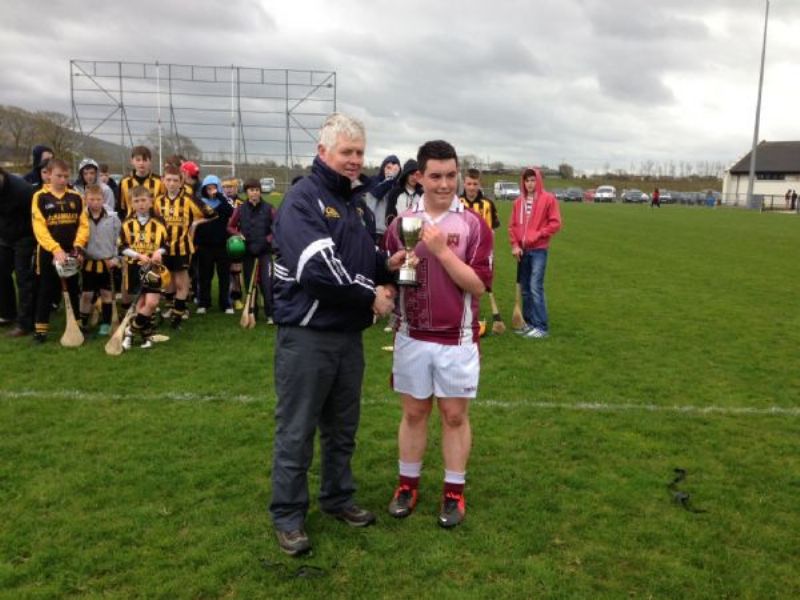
(436, 344)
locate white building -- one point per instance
(777, 170)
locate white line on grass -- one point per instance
(792, 411)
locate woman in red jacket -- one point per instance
(535, 218)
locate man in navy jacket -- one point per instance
(330, 283)
(16, 253)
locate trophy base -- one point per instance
(407, 277)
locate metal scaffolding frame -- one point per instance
(234, 115)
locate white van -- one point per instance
(506, 190)
(605, 193)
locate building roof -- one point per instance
(772, 157)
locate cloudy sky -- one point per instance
(589, 82)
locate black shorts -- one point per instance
(134, 282)
(178, 262)
(91, 281)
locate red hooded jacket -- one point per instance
(533, 231)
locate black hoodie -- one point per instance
(35, 175)
(15, 208)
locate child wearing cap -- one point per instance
(253, 220)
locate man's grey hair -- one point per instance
(338, 124)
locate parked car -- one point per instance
(605, 193)
(588, 195)
(506, 190)
(635, 196)
(559, 193)
(573, 194)
(267, 185)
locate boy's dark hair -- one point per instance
(252, 183)
(528, 173)
(139, 191)
(142, 151)
(174, 160)
(93, 189)
(103, 167)
(45, 164)
(57, 163)
(435, 150)
(170, 169)
(473, 173)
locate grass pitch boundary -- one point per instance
(688, 409)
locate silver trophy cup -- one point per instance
(410, 231)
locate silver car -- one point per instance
(267, 185)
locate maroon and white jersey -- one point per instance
(437, 310)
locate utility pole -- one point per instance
(751, 203)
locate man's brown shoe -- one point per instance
(293, 543)
(355, 516)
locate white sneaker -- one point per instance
(148, 343)
(536, 333)
(270, 321)
(388, 329)
(127, 340)
(201, 311)
(166, 313)
(229, 311)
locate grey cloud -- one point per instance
(586, 81)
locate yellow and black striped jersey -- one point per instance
(178, 214)
(143, 239)
(485, 208)
(152, 182)
(59, 221)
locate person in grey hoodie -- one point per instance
(100, 257)
(88, 173)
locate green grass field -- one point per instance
(675, 337)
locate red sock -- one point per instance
(410, 482)
(453, 488)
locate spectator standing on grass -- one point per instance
(436, 345)
(794, 199)
(106, 178)
(41, 154)
(101, 257)
(535, 219)
(376, 191)
(88, 170)
(16, 253)
(212, 253)
(141, 174)
(253, 220)
(406, 191)
(474, 200)
(656, 199)
(61, 226)
(329, 286)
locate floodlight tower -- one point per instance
(750, 200)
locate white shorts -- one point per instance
(424, 369)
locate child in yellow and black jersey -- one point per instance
(143, 243)
(61, 228)
(230, 188)
(181, 214)
(474, 200)
(142, 163)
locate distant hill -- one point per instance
(20, 130)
